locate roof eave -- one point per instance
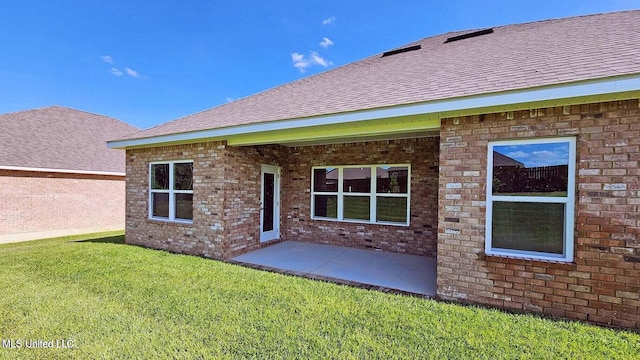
(62, 171)
(626, 86)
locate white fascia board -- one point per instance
(63, 171)
(560, 91)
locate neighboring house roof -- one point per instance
(503, 160)
(508, 58)
(59, 138)
(355, 173)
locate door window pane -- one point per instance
(160, 205)
(356, 180)
(392, 209)
(325, 206)
(357, 207)
(325, 180)
(528, 226)
(268, 184)
(531, 169)
(184, 206)
(392, 179)
(160, 176)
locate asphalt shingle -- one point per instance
(61, 138)
(512, 57)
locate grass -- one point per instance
(120, 301)
(391, 209)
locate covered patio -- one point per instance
(410, 274)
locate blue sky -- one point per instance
(148, 62)
(534, 155)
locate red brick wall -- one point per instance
(242, 192)
(206, 235)
(419, 238)
(226, 197)
(226, 220)
(36, 202)
(603, 283)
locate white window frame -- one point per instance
(568, 201)
(171, 191)
(373, 195)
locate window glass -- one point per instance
(392, 179)
(325, 180)
(531, 169)
(356, 180)
(160, 206)
(357, 207)
(349, 193)
(160, 176)
(530, 198)
(184, 206)
(171, 191)
(183, 176)
(528, 226)
(325, 206)
(392, 209)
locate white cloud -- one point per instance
(229, 99)
(329, 21)
(534, 156)
(297, 57)
(316, 59)
(132, 73)
(326, 42)
(116, 72)
(301, 62)
(106, 58)
(518, 155)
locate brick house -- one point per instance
(396, 152)
(56, 175)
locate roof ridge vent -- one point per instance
(398, 51)
(469, 35)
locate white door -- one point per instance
(270, 203)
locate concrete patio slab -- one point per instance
(406, 273)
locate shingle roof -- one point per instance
(503, 160)
(512, 57)
(61, 138)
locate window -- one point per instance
(530, 198)
(367, 194)
(171, 191)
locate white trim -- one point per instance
(543, 93)
(64, 171)
(373, 195)
(568, 201)
(170, 191)
(275, 232)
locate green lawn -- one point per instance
(120, 301)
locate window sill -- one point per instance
(169, 222)
(360, 222)
(523, 260)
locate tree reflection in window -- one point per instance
(160, 176)
(183, 176)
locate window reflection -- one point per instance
(531, 169)
(325, 180)
(392, 179)
(357, 180)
